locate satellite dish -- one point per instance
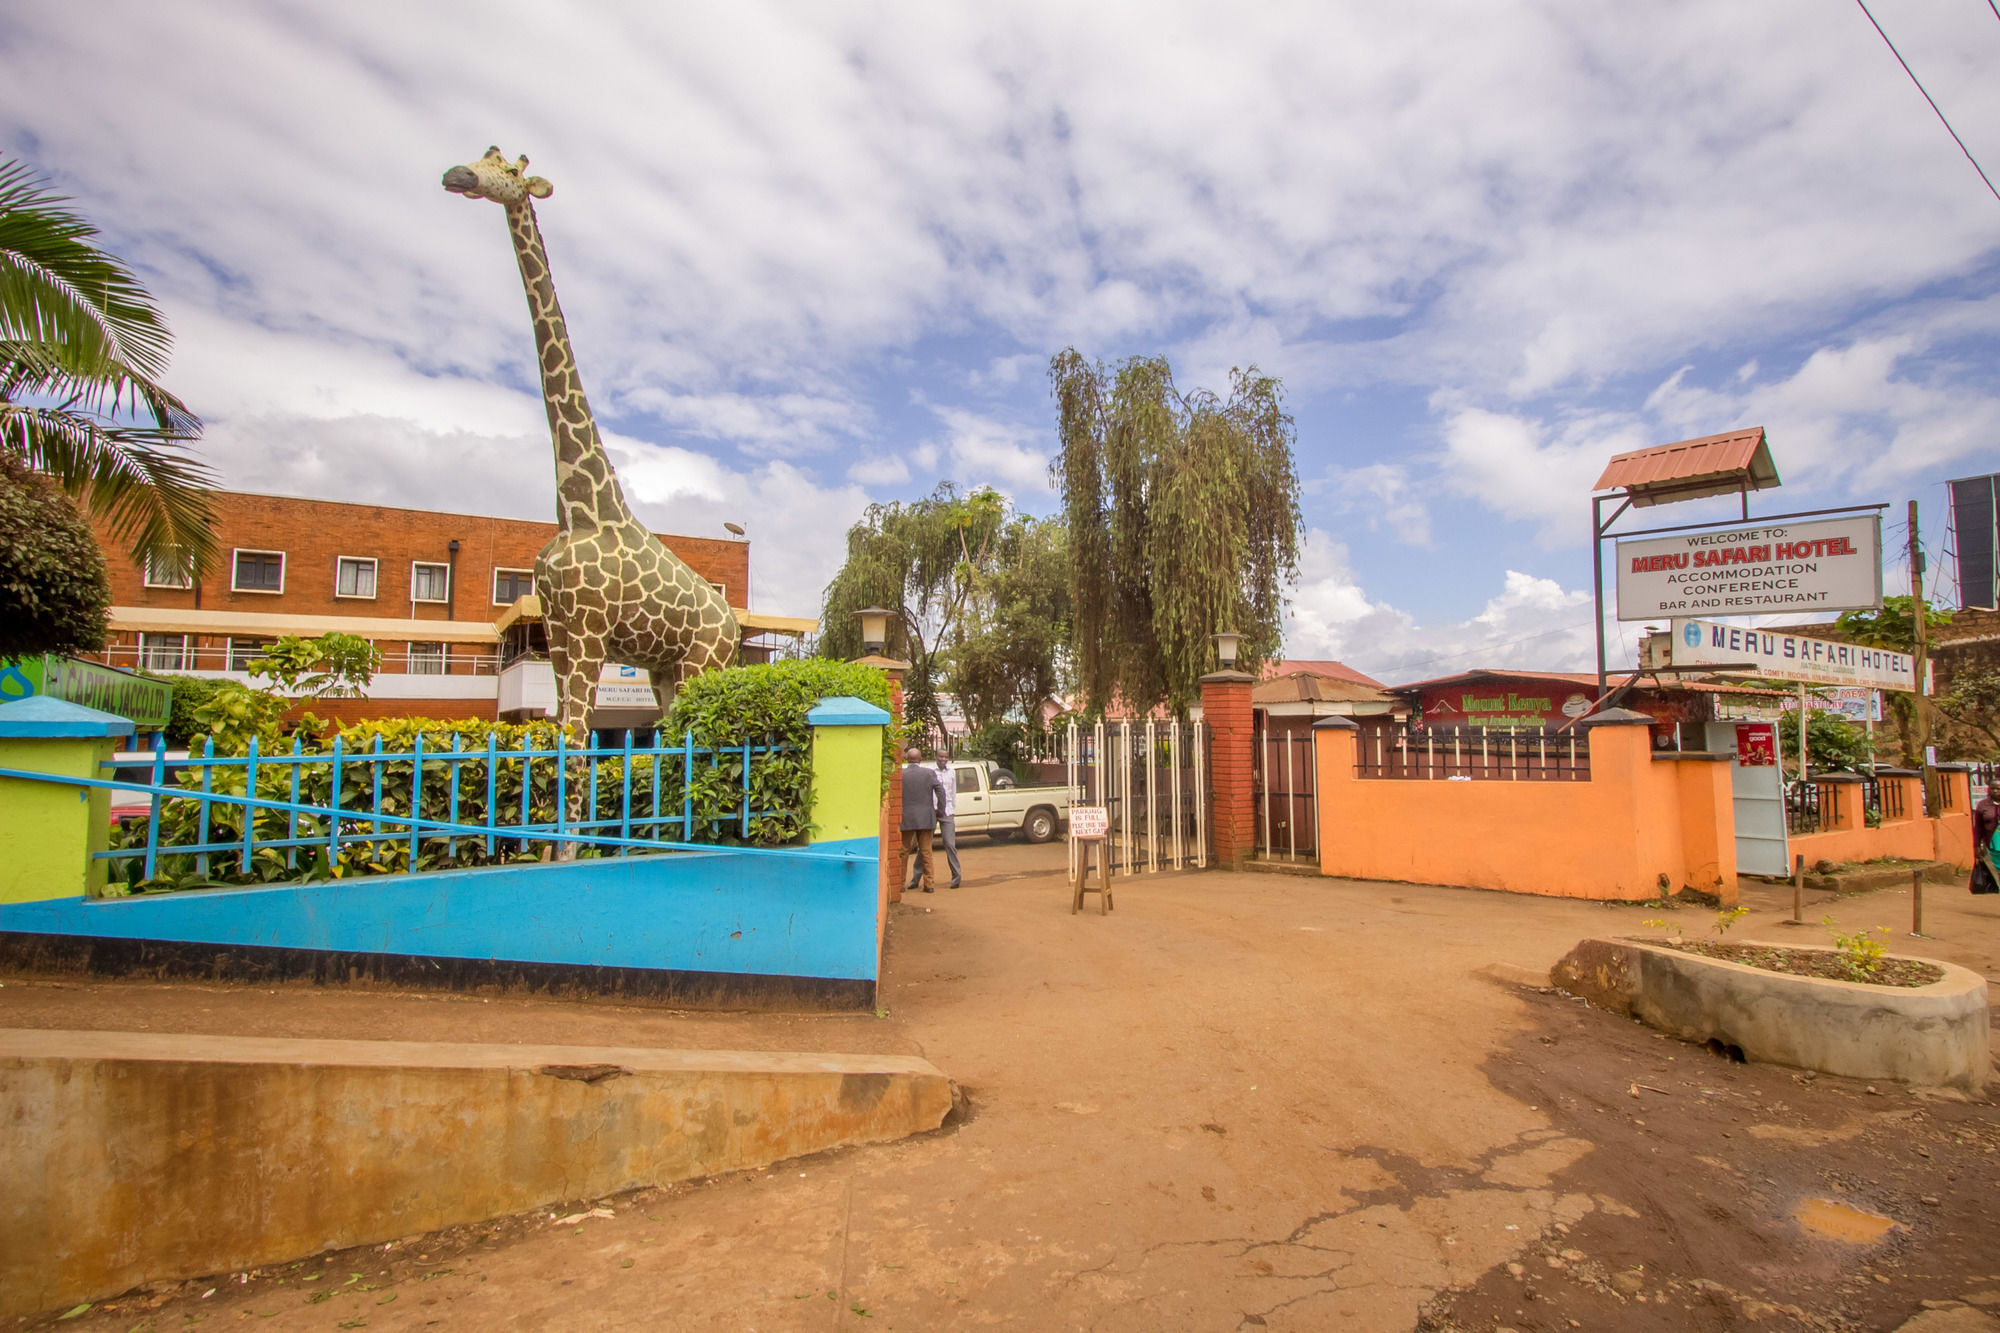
(736, 528)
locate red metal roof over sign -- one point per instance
(1737, 460)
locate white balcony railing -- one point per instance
(221, 661)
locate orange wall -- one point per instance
(1612, 837)
(1946, 838)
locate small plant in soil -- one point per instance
(1862, 952)
(1862, 956)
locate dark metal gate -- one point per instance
(1287, 817)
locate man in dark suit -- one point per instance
(922, 799)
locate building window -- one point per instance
(511, 585)
(242, 652)
(163, 575)
(354, 576)
(723, 588)
(430, 583)
(258, 571)
(165, 652)
(426, 659)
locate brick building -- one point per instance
(429, 589)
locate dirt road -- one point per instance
(1239, 1101)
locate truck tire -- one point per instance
(1039, 824)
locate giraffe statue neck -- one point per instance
(587, 494)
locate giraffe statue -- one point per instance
(609, 590)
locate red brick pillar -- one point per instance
(893, 868)
(1225, 706)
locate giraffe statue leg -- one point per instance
(577, 664)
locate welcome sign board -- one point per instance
(1828, 565)
(1773, 655)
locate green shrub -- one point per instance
(724, 706)
(185, 727)
(1002, 742)
(54, 589)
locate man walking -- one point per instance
(922, 799)
(948, 821)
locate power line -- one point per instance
(1933, 101)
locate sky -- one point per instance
(815, 256)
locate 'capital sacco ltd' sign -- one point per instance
(1827, 565)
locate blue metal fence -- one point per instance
(229, 793)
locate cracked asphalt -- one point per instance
(1238, 1101)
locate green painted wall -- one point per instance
(48, 832)
(847, 784)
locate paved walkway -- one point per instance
(1246, 1100)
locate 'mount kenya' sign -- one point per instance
(1829, 565)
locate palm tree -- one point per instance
(82, 349)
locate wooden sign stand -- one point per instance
(1088, 850)
(1090, 830)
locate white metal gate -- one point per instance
(1758, 802)
(1152, 777)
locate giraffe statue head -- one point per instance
(494, 177)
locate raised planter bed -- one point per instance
(1935, 1035)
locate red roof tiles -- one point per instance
(1302, 667)
(1689, 469)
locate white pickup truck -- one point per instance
(990, 803)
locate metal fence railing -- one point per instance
(258, 817)
(1811, 806)
(1882, 801)
(1489, 754)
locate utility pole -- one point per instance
(1920, 630)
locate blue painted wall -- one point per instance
(809, 913)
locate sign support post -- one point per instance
(1919, 629)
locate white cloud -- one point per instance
(1867, 414)
(1532, 623)
(784, 424)
(773, 223)
(879, 470)
(742, 203)
(1533, 470)
(988, 452)
(1379, 495)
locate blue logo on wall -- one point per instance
(1691, 635)
(14, 684)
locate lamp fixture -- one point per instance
(874, 629)
(1225, 648)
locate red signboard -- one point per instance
(1756, 744)
(1500, 706)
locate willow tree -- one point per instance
(1183, 515)
(1009, 655)
(922, 561)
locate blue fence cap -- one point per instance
(844, 710)
(43, 718)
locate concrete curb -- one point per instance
(1930, 1036)
(141, 1157)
